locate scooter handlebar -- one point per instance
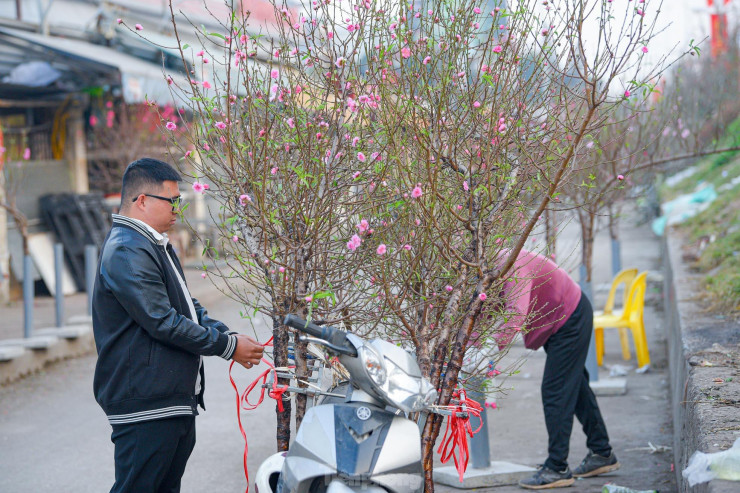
(336, 339)
(309, 328)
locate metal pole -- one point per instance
(591, 364)
(91, 264)
(616, 257)
(480, 450)
(27, 296)
(58, 294)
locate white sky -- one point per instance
(679, 20)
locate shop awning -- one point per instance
(139, 80)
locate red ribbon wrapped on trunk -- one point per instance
(457, 430)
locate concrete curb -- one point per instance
(694, 337)
(21, 357)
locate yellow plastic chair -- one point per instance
(630, 318)
(625, 277)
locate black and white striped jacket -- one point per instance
(148, 347)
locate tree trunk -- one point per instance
(550, 233)
(428, 438)
(280, 352)
(587, 219)
(613, 222)
(301, 372)
(300, 348)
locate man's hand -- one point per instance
(248, 352)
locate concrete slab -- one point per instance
(499, 473)
(9, 353)
(36, 342)
(26, 362)
(66, 332)
(609, 386)
(79, 320)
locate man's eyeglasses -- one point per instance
(175, 201)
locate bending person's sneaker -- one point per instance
(594, 464)
(547, 478)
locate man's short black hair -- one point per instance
(143, 175)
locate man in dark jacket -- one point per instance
(151, 336)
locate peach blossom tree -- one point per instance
(379, 165)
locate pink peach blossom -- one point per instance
(482, 296)
(381, 249)
(354, 243)
(416, 192)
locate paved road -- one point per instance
(54, 437)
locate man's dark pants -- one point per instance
(565, 389)
(151, 456)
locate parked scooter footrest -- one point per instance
(292, 376)
(300, 390)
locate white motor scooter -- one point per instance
(363, 442)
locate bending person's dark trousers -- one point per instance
(565, 389)
(151, 455)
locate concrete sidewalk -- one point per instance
(21, 356)
(635, 420)
(11, 321)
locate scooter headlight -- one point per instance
(408, 393)
(373, 365)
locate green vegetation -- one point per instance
(719, 225)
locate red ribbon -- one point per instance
(456, 432)
(276, 392)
